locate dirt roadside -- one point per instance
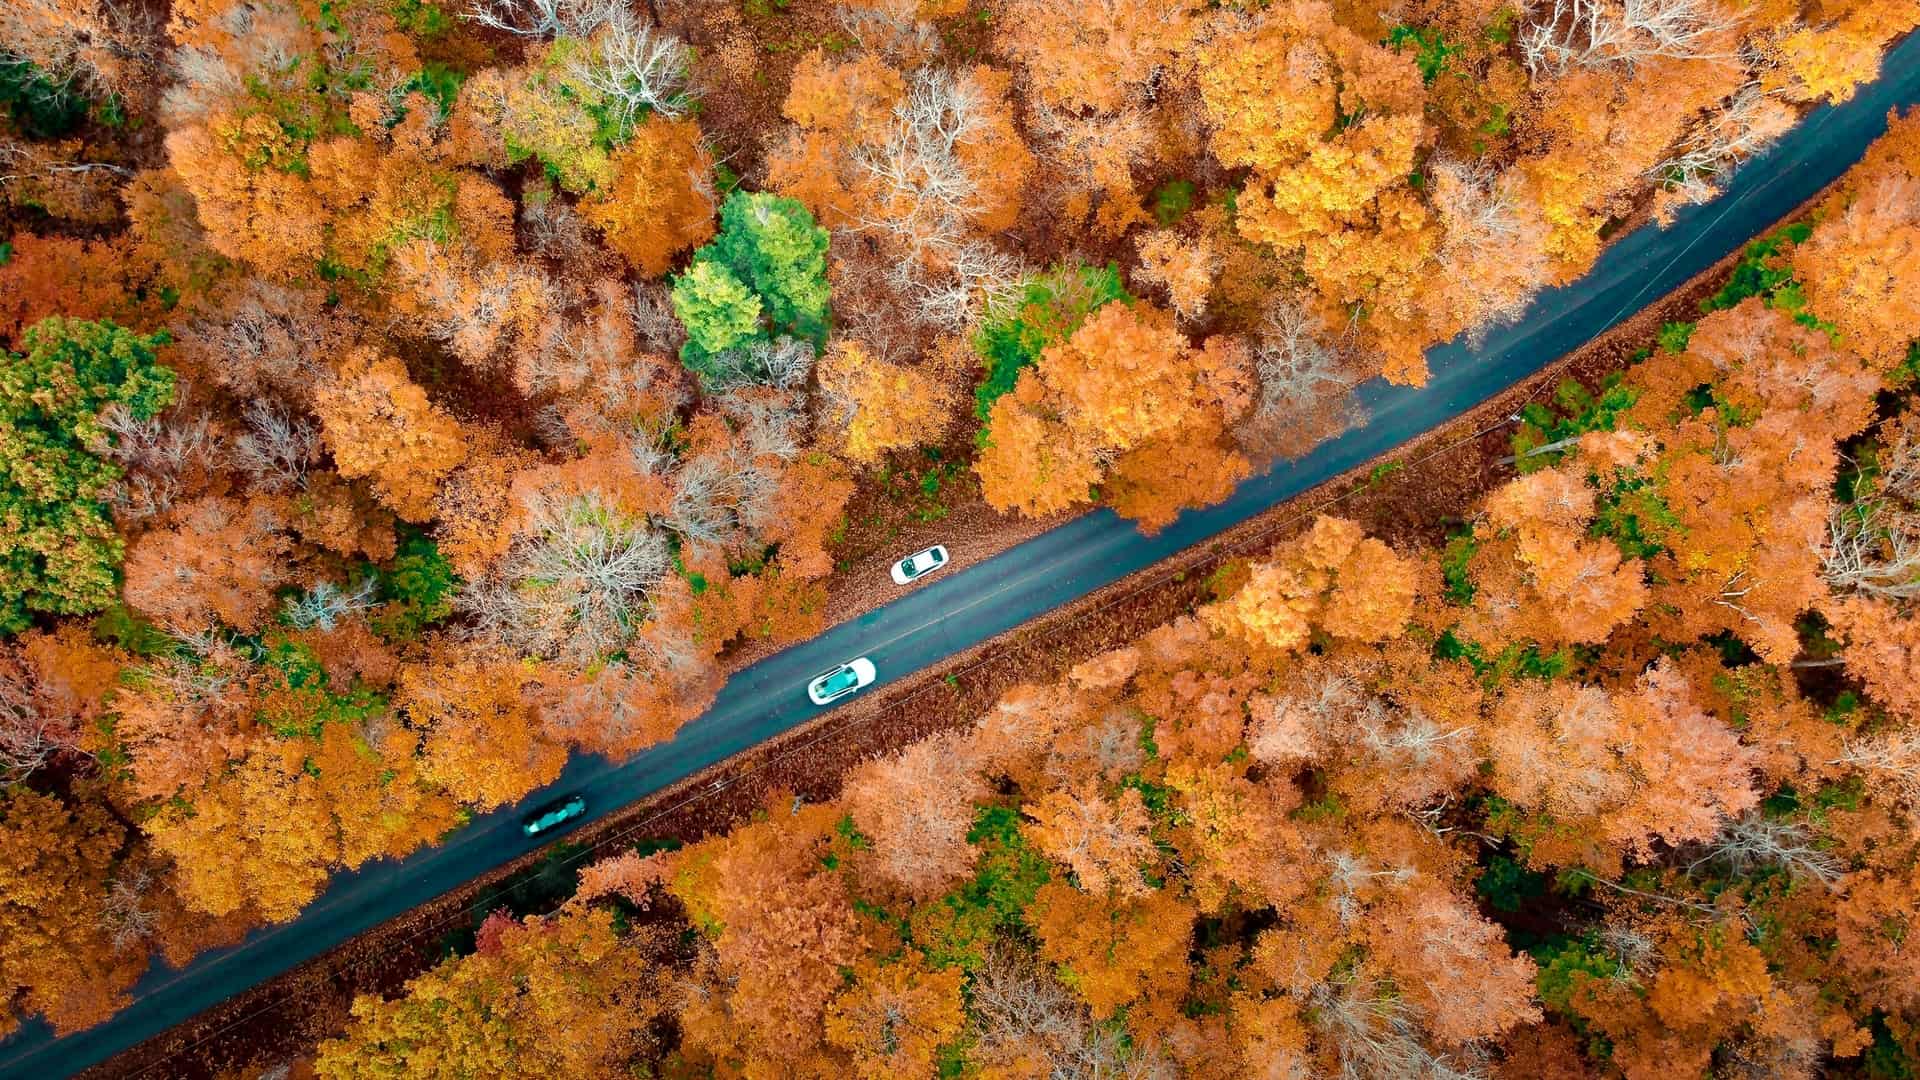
(1429, 482)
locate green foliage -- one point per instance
(773, 244)
(438, 83)
(718, 310)
(1047, 310)
(537, 890)
(1761, 271)
(40, 107)
(1172, 200)
(1631, 513)
(1501, 27)
(1507, 885)
(1517, 660)
(764, 275)
(298, 698)
(126, 628)
(1379, 473)
(1564, 965)
(1904, 375)
(59, 552)
(1453, 567)
(1159, 799)
(1574, 412)
(958, 927)
(1432, 53)
(416, 588)
(420, 18)
(1673, 336)
(1885, 1059)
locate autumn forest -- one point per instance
(400, 396)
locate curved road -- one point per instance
(959, 609)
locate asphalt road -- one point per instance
(956, 610)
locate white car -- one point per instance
(919, 565)
(830, 686)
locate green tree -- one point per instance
(718, 310)
(764, 275)
(59, 552)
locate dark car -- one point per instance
(554, 813)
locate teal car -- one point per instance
(554, 813)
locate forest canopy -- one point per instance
(399, 396)
(1619, 780)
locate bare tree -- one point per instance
(1299, 727)
(548, 18)
(1295, 359)
(161, 456)
(29, 733)
(1305, 383)
(575, 584)
(1378, 1034)
(473, 310)
(653, 321)
(783, 363)
(929, 201)
(50, 176)
(127, 917)
(1495, 241)
(1891, 759)
(636, 71)
(266, 340)
(1351, 874)
(1023, 1011)
(277, 448)
(1751, 121)
(551, 227)
(718, 499)
(1873, 551)
(326, 605)
(1754, 840)
(1608, 33)
(894, 28)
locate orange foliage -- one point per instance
(1861, 268)
(1537, 576)
(1126, 380)
(380, 426)
(1332, 578)
(661, 202)
(480, 740)
(219, 566)
(57, 957)
(1097, 57)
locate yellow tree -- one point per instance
(886, 406)
(1126, 380)
(1330, 124)
(57, 957)
(1033, 463)
(264, 836)
(1103, 54)
(1112, 950)
(1537, 575)
(1861, 267)
(559, 996)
